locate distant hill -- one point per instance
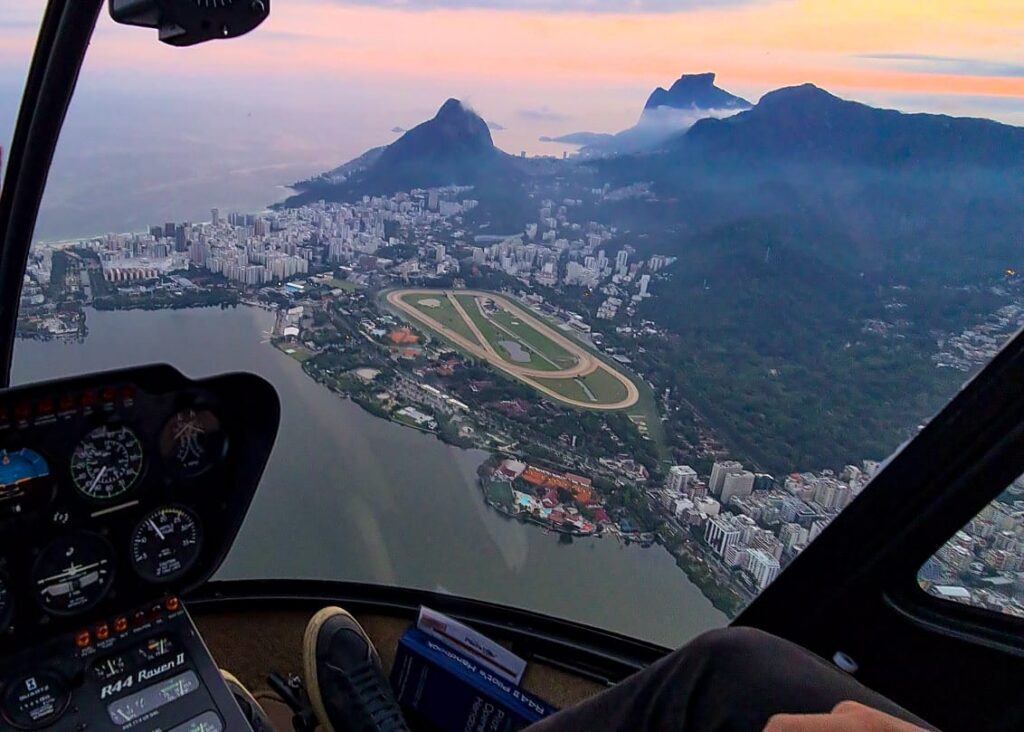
(452, 148)
(695, 91)
(581, 138)
(806, 122)
(668, 111)
(799, 224)
(914, 193)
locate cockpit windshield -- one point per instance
(600, 310)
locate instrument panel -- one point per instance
(119, 492)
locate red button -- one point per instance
(102, 632)
(120, 624)
(83, 639)
(172, 604)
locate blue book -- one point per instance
(455, 693)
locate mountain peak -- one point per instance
(804, 123)
(452, 107)
(802, 94)
(453, 147)
(695, 91)
(455, 124)
(704, 80)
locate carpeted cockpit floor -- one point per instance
(255, 643)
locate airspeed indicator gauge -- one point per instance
(107, 462)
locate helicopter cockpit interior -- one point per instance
(122, 492)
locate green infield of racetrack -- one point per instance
(535, 340)
(604, 387)
(538, 346)
(445, 313)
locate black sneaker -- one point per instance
(251, 708)
(344, 678)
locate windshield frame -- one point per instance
(64, 36)
(924, 506)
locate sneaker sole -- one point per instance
(235, 685)
(309, 660)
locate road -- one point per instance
(586, 362)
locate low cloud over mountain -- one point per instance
(668, 111)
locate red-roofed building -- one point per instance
(578, 479)
(511, 469)
(577, 485)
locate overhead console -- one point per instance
(120, 492)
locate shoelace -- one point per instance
(372, 695)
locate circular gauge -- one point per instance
(165, 544)
(109, 668)
(107, 462)
(25, 484)
(192, 442)
(35, 700)
(73, 573)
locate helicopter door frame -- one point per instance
(64, 35)
(854, 589)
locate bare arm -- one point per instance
(847, 716)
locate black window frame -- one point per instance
(928, 490)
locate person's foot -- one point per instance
(251, 708)
(344, 678)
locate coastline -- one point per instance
(334, 463)
(693, 566)
(717, 594)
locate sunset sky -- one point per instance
(970, 52)
(322, 80)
